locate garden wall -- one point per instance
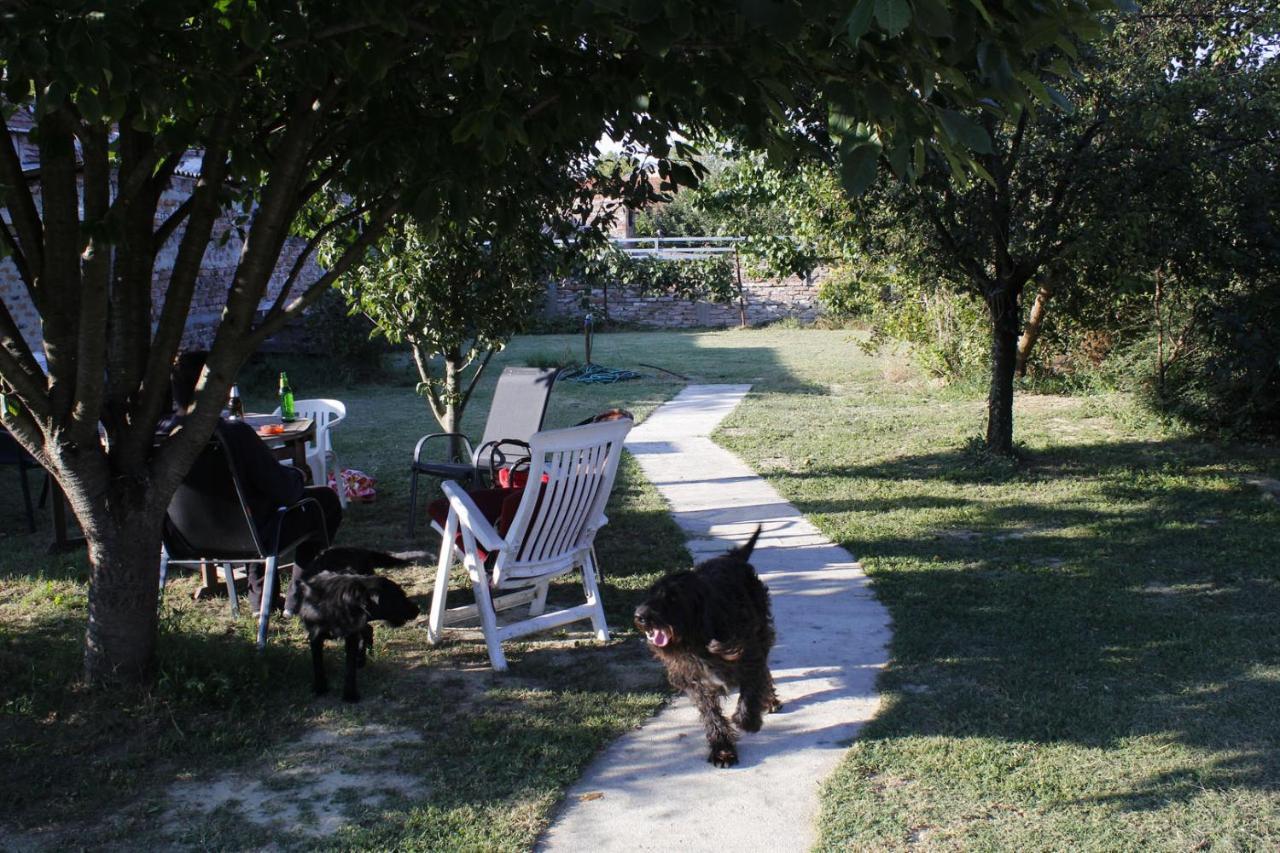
(212, 285)
(766, 300)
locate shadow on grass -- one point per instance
(1141, 603)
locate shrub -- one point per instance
(1230, 378)
(345, 337)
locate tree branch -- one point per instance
(279, 315)
(22, 211)
(11, 338)
(15, 254)
(280, 203)
(308, 249)
(1055, 209)
(91, 353)
(975, 271)
(59, 285)
(428, 381)
(33, 396)
(475, 378)
(177, 300)
(171, 223)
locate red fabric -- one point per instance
(509, 478)
(498, 506)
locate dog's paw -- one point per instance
(350, 696)
(723, 755)
(773, 706)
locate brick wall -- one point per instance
(766, 300)
(211, 289)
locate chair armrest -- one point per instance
(470, 517)
(284, 511)
(417, 450)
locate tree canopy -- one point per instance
(392, 107)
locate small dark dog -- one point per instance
(340, 605)
(712, 629)
(342, 560)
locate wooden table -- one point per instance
(291, 443)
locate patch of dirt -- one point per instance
(327, 779)
(1270, 488)
(781, 463)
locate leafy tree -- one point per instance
(1187, 223)
(456, 294)
(399, 108)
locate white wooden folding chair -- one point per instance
(571, 473)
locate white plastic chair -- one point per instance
(552, 533)
(327, 414)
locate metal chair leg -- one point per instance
(264, 608)
(164, 574)
(413, 499)
(229, 574)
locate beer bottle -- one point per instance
(287, 412)
(235, 407)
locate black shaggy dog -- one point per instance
(341, 604)
(712, 629)
(341, 559)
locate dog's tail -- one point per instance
(383, 560)
(743, 552)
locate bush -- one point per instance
(1230, 378)
(948, 332)
(345, 338)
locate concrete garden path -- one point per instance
(653, 788)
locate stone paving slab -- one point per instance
(653, 789)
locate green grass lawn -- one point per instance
(1086, 649)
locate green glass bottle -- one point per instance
(287, 412)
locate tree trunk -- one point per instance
(1035, 322)
(452, 421)
(1003, 306)
(123, 594)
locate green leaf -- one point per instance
(255, 32)
(679, 17)
(934, 18)
(1063, 102)
(982, 10)
(860, 20)
(858, 168)
(503, 25)
(899, 157)
(893, 15)
(965, 131)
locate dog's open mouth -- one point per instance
(658, 637)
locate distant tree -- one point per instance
(456, 292)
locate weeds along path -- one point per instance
(653, 789)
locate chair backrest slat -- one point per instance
(557, 518)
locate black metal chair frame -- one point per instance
(270, 558)
(500, 438)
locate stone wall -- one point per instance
(766, 300)
(212, 286)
